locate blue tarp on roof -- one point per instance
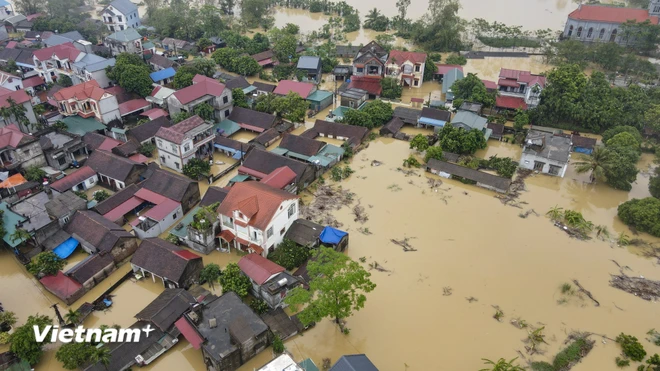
(66, 248)
(331, 235)
(162, 74)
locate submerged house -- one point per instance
(270, 282)
(583, 144)
(311, 67)
(352, 135)
(481, 179)
(354, 362)
(80, 179)
(309, 150)
(546, 153)
(175, 267)
(433, 117)
(370, 60)
(519, 89)
(97, 234)
(469, 121)
(178, 144)
(173, 186)
(114, 171)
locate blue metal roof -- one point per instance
(429, 121)
(162, 74)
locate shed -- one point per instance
(434, 117)
(336, 238)
(304, 232)
(450, 78)
(392, 127)
(485, 180)
(583, 144)
(409, 116)
(319, 99)
(163, 76)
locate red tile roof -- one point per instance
(177, 133)
(60, 285)
(201, 86)
(33, 81)
(186, 254)
(611, 14)
(12, 136)
(303, 89)
(444, 68)
(154, 113)
(73, 179)
(489, 84)
(86, 90)
(189, 332)
(19, 96)
(522, 76)
(508, 82)
(138, 157)
(258, 268)
(267, 199)
(370, 84)
(109, 143)
(510, 102)
(132, 105)
(62, 51)
(280, 177)
(11, 45)
(399, 56)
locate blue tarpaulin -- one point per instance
(331, 235)
(66, 248)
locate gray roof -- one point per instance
(125, 36)
(64, 204)
(407, 115)
(66, 37)
(547, 145)
(233, 319)
(354, 93)
(494, 181)
(88, 59)
(34, 209)
(468, 120)
(168, 307)
(309, 63)
(264, 87)
(101, 65)
(4, 35)
(15, 19)
(354, 362)
(124, 6)
(304, 232)
(450, 78)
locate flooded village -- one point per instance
(409, 207)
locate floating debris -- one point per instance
(527, 213)
(586, 292)
(394, 187)
(446, 291)
(375, 265)
(471, 299)
(326, 200)
(403, 243)
(365, 231)
(359, 213)
(638, 286)
(517, 187)
(376, 163)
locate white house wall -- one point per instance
(109, 109)
(527, 162)
(162, 225)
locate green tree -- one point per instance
(239, 98)
(124, 60)
(72, 316)
(376, 21)
(433, 152)
(178, 117)
(184, 76)
(561, 98)
(204, 66)
(440, 28)
(259, 306)
(472, 89)
(429, 69)
(623, 140)
(101, 195)
(74, 355)
(289, 254)
(631, 347)
(386, 41)
(246, 66)
(210, 273)
(646, 34)
(608, 55)
(147, 149)
(402, 7)
(420, 142)
(456, 59)
(610, 133)
(35, 174)
(81, 194)
(652, 117)
(20, 235)
(60, 125)
(654, 184)
(24, 343)
(255, 13)
(278, 345)
(136, 79)
(351, 22)
(225, 56)
(284, 48)
(358, 118)
(291, 29)
(596, 164)
(391, 88)
(30, 6)
(47, 263)
(379, 112)
(64, 80)
(232, 279)
(621, 171)
(101, 355)
(203, 43)
(205, 111)
(291, 107)
(461, 141)
(643, 214)
(15, 113)
(265, 103)
(196, 168)
(521, 120)
(337, 288)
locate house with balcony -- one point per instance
(255, 216)
(519, 89)
(124, 41)
(62, 148)
(56, 60)
(270, 281)
(407, 67)
(203, 90)
(370, 60)
(19, 150)
(190, 138)
(120, 15)
(87, 100)
(92, 67)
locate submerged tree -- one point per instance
(595, 164)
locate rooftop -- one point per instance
(201, 86)
(177, 133)
(124, 6)
(547, 145)
(162, 74)
(162, 259)
(398, 57)
(354, 362)
(258, 201)
(61, 51)
(76, 177)
(96, 230)
(111, 165)
(86, 90)
(125, 36)
(309, 62)
(303, 89)
(65, 203)
(258, 268)
(611, 14)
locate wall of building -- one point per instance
(87, 184)
(163, 224)
(597, 27)
(109, 109)
(527, 162)
(169, 154)
(30, 155)
(191, 197)
(280, 221)
(203, 242)
(124, 248)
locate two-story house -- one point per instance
(255, 216)
(92, 67)
(19, 150)
(120, 15)
(125, 41)
(87, 100)
(270, 281)
(407, 67)
(519, 89)
(546, 153)
(56, 60)
(61, 148)
(203, 90)
(11, 82)
(21, 98)
(370, 60)
(177, 144)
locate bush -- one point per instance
(433, 152)
(147, 149)
(572, 353)
(35, 174)
(504, 166)
(172, 239)
(643, 214)
(609, 134)
(101, 195)
(289, 254)
(631, 347)
(259, 306)
(47, 263)
(391, 88)
(456, 59)
(278, 345)
(420, 142)
(622, 362)
(542, 366)
(411, 161)
(195, 168)
(508, 42)
(81, 194)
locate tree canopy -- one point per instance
(440, 28)
(131, 73)
(210, 273)
(291, 107)
(47, 263)
(337, 288)
(375, 20)
(643, 214)
(24, 343)
(289, 254)
(238, 96)
(472, 89)
(461, 141)
(232, 279)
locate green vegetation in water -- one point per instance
(643, 214)
(338, 173)
(509, 42)
(289, 254)
(412, 162)
(631, 348)
(655, 337)
(567, 289)
(573, 353)
(572, 219)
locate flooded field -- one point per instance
(489, 68)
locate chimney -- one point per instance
(213, 323)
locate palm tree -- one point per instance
(597, 163)
(555, 213)
(72, 317)
(502, 365)
(20, 235)
(101, 355)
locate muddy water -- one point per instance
(243, 136)
(489, 68)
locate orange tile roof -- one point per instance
(245, 196)
(611, 14)
(86, 90)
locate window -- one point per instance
(570, 31)
(351, 104)
(282, 232)
(174, 148)
(656, 9)
(292, 210)
(121, 27)
(417, 68)
(65, 219)
(227, 221)
(225, 99)
(17, 87)
(174, 216)
(613, 35)
(601, 34)
(591, 30)
(227, 113)
(538, 165)
(269, 232)
(119, 18)
(61, 161)
(177, 165)
(554, 170)
(416, 83)
(160, 143)
(579, 32)
(186, 148)
(360, 70)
